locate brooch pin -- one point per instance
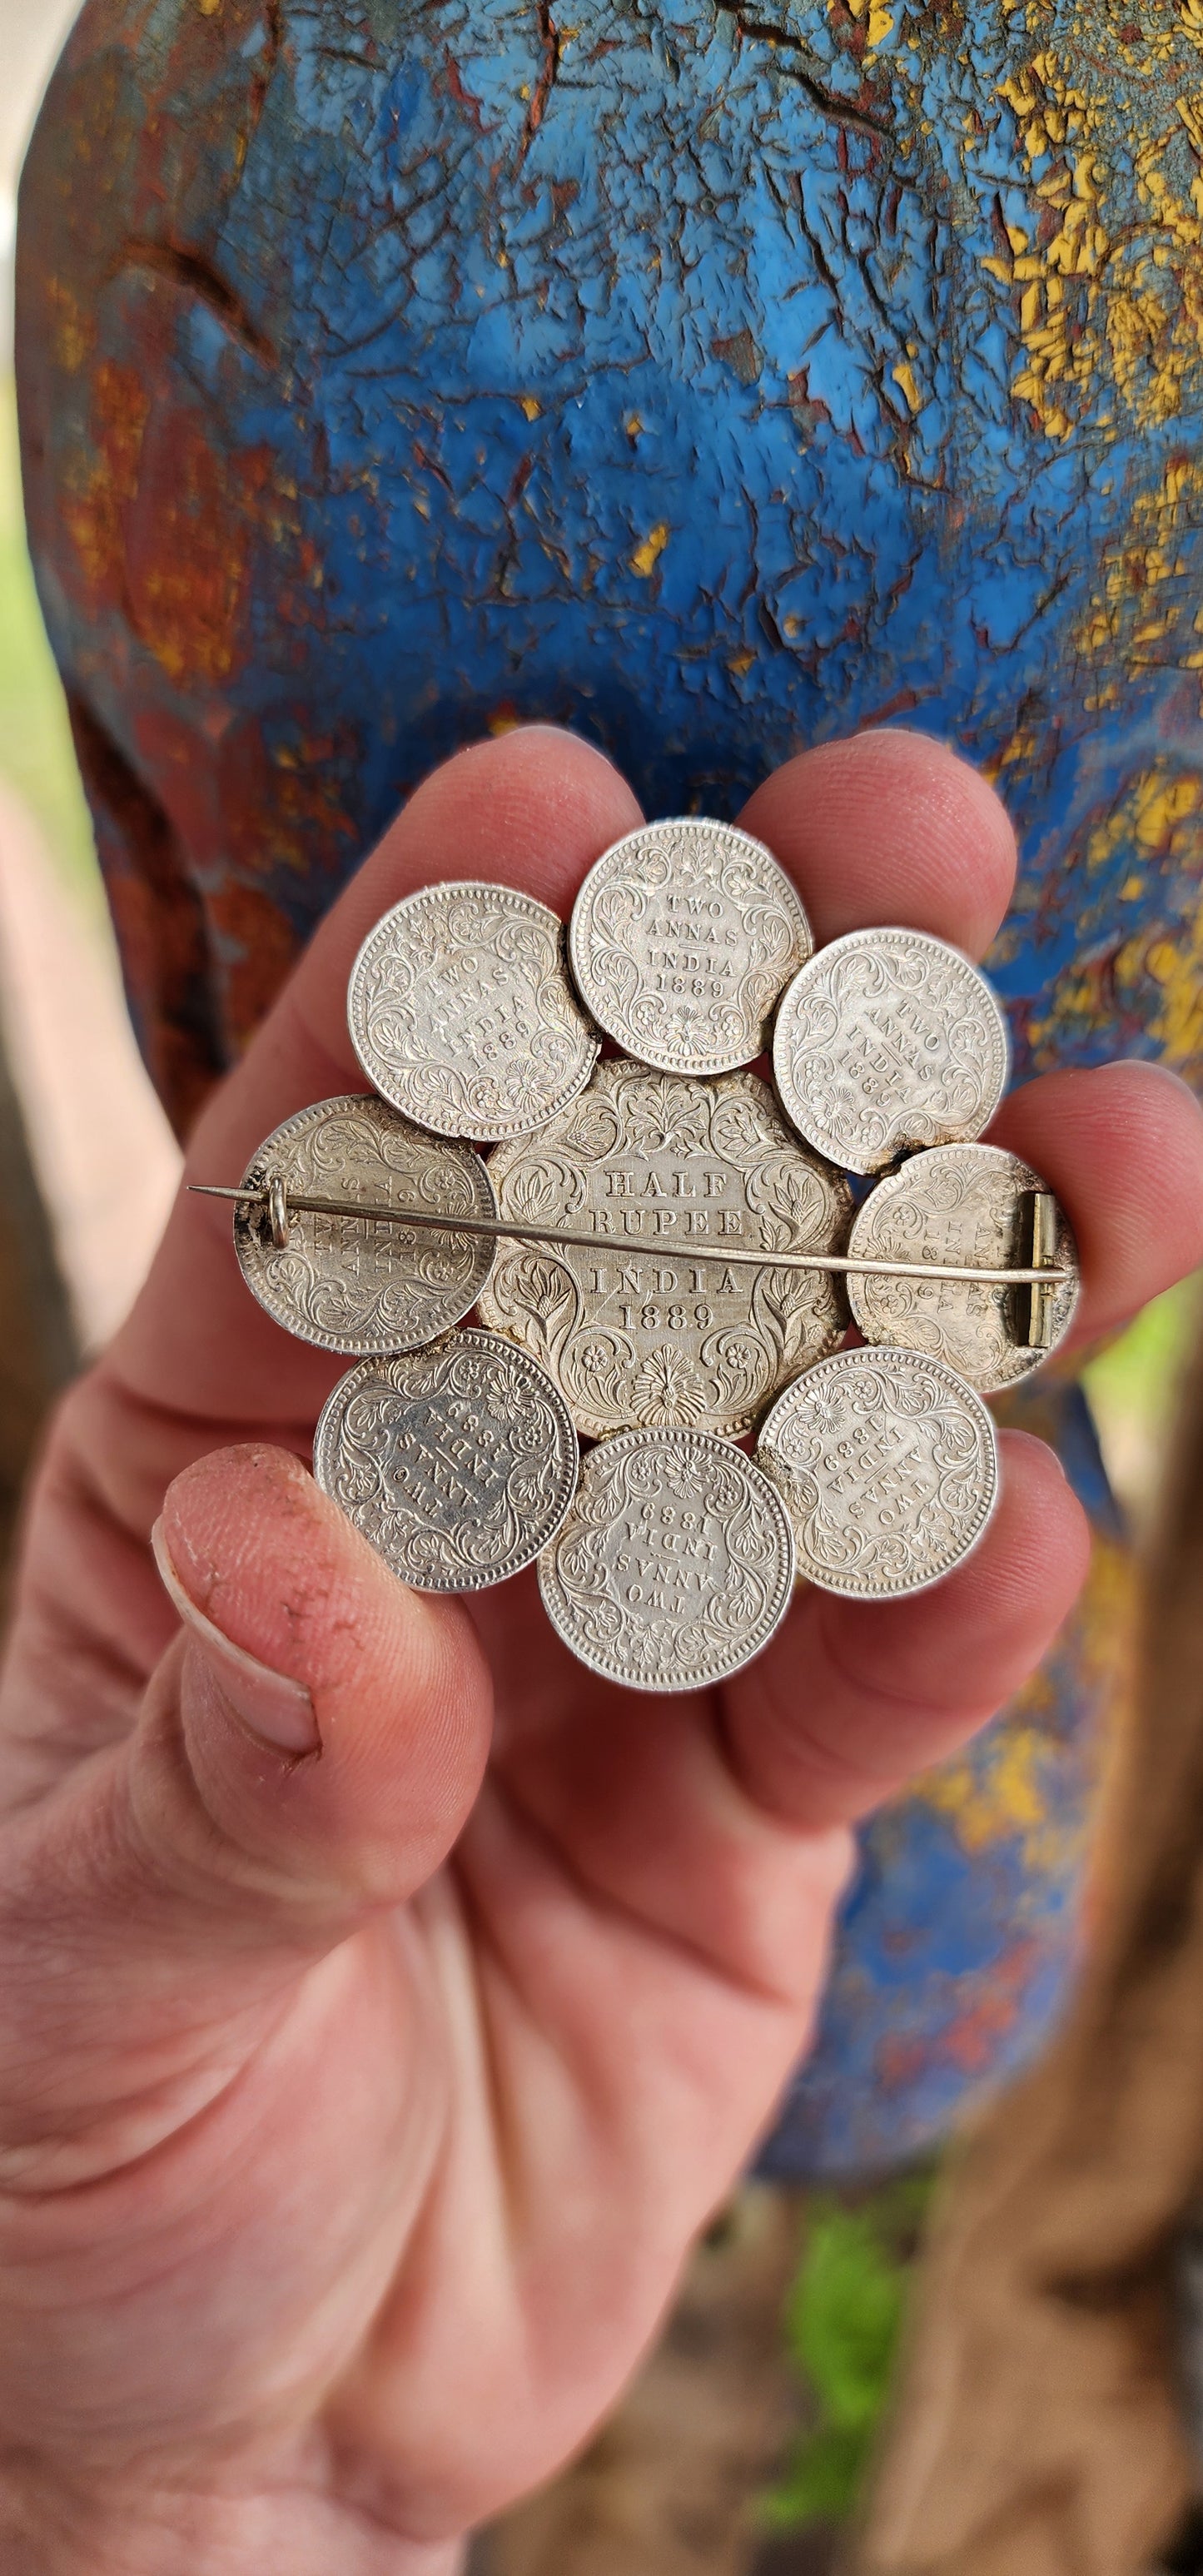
(664, 1252)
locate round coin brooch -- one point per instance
(664, 1252)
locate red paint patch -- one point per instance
(971, 2040)
(95, 515)
(189, 547)
(265, 948)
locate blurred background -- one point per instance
(748, 2437)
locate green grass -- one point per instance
(842, 2323)
(36, 754)
(1139, 1373)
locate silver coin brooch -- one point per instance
(663, 1251)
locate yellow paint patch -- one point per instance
(904, 376)
(73, 328)
(1100, 303)
(532, 407)
(741, 663)
(1004, 1799)
(880, 19)
(1144, 593)
(647, 556)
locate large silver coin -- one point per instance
(658, 1170)
(345, 1282)
(682, 938)
(461, 1012)
(961, 1204)
(888, 1466)
(675, 1564)
(886, 1040)
(458, 1462)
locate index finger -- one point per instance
(890, 827)
(532, 810)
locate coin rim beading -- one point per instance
(245, 1237)
(866, 1356)
(476, 1133)
(642, 1437)
(632, 1043)
(834, 1149)
(483, 1580)
(860, 1286)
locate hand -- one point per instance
(385, 2002)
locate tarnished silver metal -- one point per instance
(277, 1212)
(651, 1168)
(682, 938)
(978, 1205)
(462, 1015)
(675, 1564)
(888, 1040)
(458, 1462)
(837, 1264)
(352, 1283)
(888, 1466)
(1034, 1316)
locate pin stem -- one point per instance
(730, 1255)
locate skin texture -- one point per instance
(359, 2105)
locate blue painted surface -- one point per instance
(962, 1929)
(715, 382)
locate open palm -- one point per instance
(372, 2048)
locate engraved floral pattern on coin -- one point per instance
(888, 1466)
(682, 938)
(885, 1040)
(348, 1283)
(462, 1015)
(457, 1462)
(675, 1564)
(959, 1203)
(660, 1169)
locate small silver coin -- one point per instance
(640, 1327)
(888, 1466)
(682, 938)
(675, 1564)
(348, 1283)
(457, 1462)
(462, 1015)
(961, 1204)
(887, 1040)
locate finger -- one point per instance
(1122, 1148)
(890, 827)
(305, 1756)
(706, 1814)
(853, 1698)
(532, 810)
